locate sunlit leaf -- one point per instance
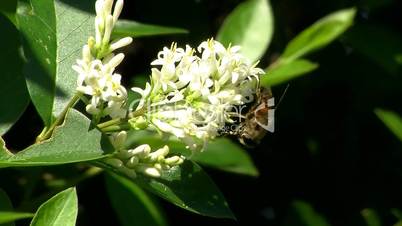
(319, 34)
(14, 97)
(251, 26)
(53, 33)
(73, 141)
(135, 29)
(285, 72)
(132, 205)
(186, 186)
(60, 210)
(392, 120)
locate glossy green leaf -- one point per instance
(53, 33)
(319, 34)
(302, 213)
(8, 217)
(73, 141)
(5, 206)
(392, 120)
(132, 205)
(135, 29)
(13, 92)
(286, 72)
(188, 187)
(225, 155)
(251, 26)
(60, 210)
(221, 153)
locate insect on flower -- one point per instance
(258, 119)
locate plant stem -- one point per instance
(115, 128)
(110, 123)
(59, 119)
(120, 121)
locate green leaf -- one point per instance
(371, 217)
(73, 141)
(221, 153)
(7, 217)
(392, 120)
(288, 71)
(302, 213)
(319, 34)
(5, 202)
(60, 210)
(4, 152)
(8, 8)
(251, 26)
(188, 187)
(132, 205)
(5, 205)
(13, 92)
(225, 155)
(135, 29)
(53, 33)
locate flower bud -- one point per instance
(141, 150)
(107, 7)
(91, 43)
(132, 162)
(156, 155)
(116, 163)
(119, 140)
(174, 160)
(138, 123)
(124, 154)
(108, 30)
(117, 10)
(120, 43)
(128, 172)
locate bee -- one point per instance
(250, 132)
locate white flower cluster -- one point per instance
(141, 159)
(96, 69)
(97, 78)
(193, 96)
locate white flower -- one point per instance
(193, 96)
(96, 69)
